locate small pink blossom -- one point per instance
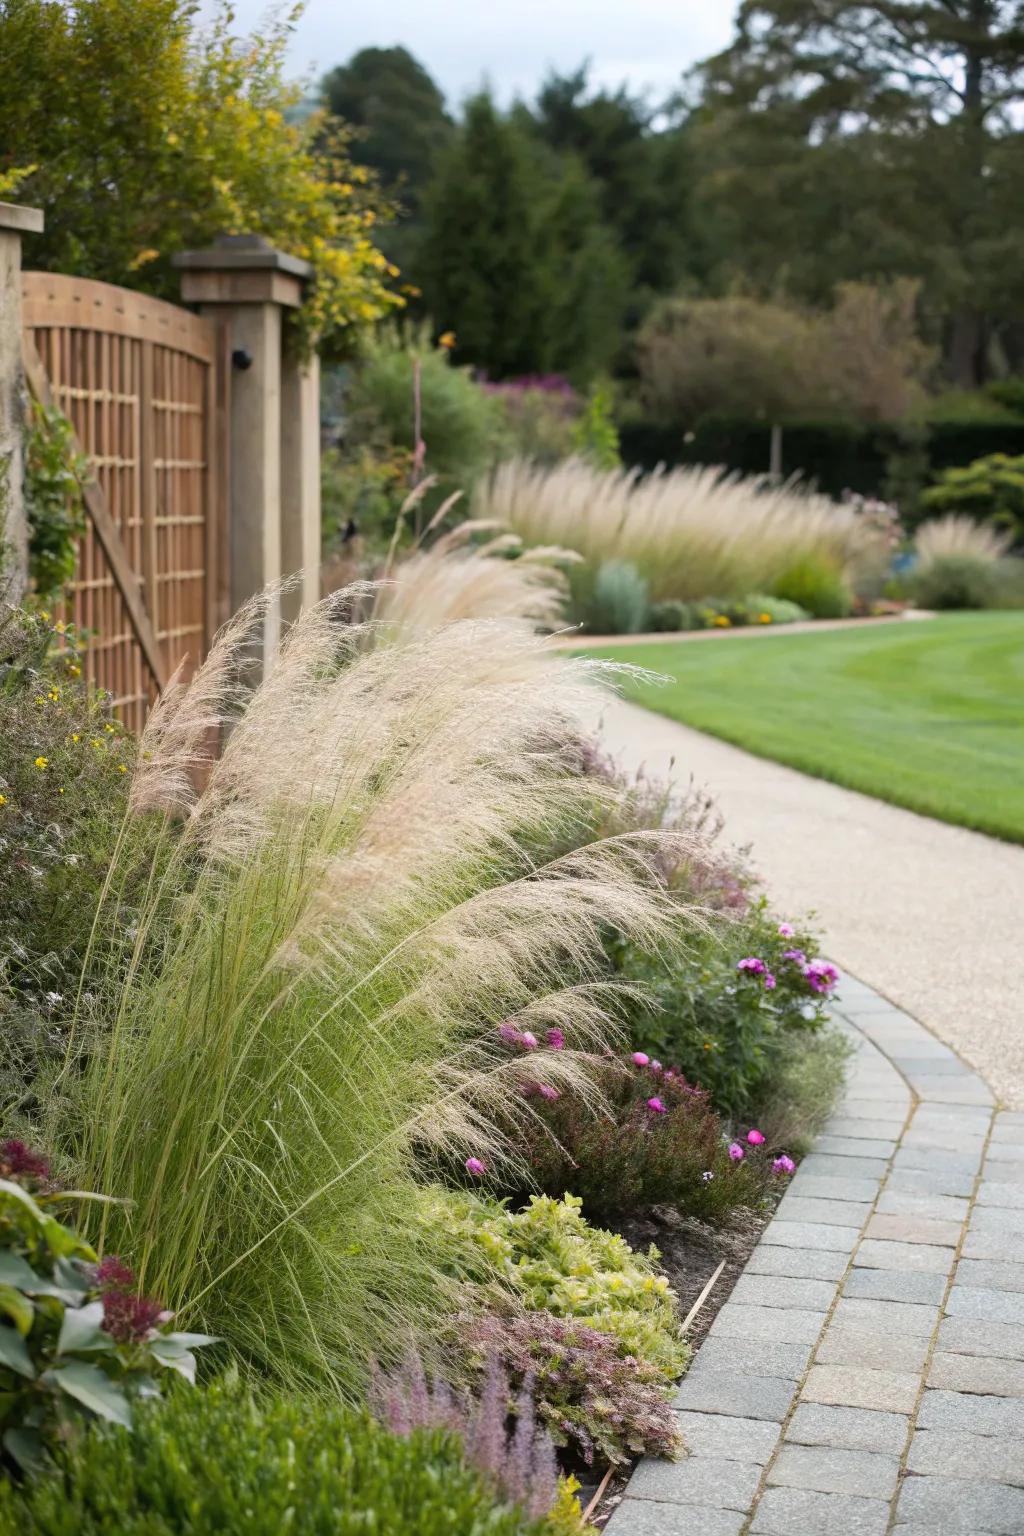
(639, 1059)
(786, 930)
(796, 955)
(820, 976)
(656, 1105)
(547, 1092)
(755, 1138)
(783, 1164)
(475, 1166)
(752, 964)
(556, 1040)
(735, 1151)
(528, 1041)
(769, 981)
(655, 1066)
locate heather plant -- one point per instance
(655, 1140)
(350, 915)
(555, 1261)
(77, 1341)
(594, 1398)
(498, 1430)
(223, 1463)
(689, 531)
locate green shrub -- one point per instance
(816, 586)
(540, 416)
(802, 1089)
(761, 608)
(557, 1262)
(616, 604)
(956, 581)
(726, 1028)
(1009, 583)
(54, 476)
(595, 437)
(990, 489)
(362, 490)
(672, 616)
(220, 1463)
(76, 1340)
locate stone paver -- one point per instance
(866, 1376)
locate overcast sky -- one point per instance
(512, 43)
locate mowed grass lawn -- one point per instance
(928, 714)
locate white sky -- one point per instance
(512, 43)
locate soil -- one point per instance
(690, 1251)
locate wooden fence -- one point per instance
(145, 386)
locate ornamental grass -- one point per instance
(689, 531)
(337, 928)
(956, 535)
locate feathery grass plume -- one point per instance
(690, 532)
(350, 914)
(957, 535)
(442, 585)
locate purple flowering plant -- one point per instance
(77, 1340)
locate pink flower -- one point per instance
(796, 955)
(755, 1138)
(655, 1066)
(556, 1040)
(820, 976)
(735, 1151)
(528, 1041)
(783, 1164)
(639, 1059)
(769, 982)
(509, 1034)
(656, 1105)
(475, 1166)
(786, 930)
(547, 1092)
(752, 964)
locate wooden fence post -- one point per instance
(243, 281)
(15, 221)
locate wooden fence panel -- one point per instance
(142, 382)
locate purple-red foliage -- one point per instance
(499, 1431)
(18, 1161)
(589, 1396)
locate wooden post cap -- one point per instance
(242, 269)
(25, 221)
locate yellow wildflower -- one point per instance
(60, 626)
(764, 618)
(108, 727)
(42, 763)
(75, 736)
(3, 799)
(446, 340)
(121, 768)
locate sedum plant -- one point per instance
(348, 913)
(76, 1340)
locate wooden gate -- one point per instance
(144, 384)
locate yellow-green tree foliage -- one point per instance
(141, 134)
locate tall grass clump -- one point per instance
(956, 535)
(689, 532)
(326, 968)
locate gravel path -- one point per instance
(928, 914)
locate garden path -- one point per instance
(926, 913)
(866, 1376)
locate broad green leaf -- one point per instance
(180, 1360)
(14, 1270)
(81, 1329)
(17, 1307)
(60, 1240)
(190, 1340)
(14, 1355)
(91, 1387)
(15, 1192)
(27, 1448)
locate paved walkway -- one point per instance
(928, 914)
(866, 1375)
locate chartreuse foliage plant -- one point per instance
(222, 1463)
(350, 915)
(76, 1340)
(557, 1262)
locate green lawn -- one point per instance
(927, 714)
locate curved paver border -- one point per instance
(866, 1375)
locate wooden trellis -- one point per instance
(144, 385)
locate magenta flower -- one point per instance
(656, 1105)
(475, 1166)
(735, 1151)
(769, 981)
(113, 1274)
(528, 1041)
(783, 1164)
(547, 1092)
(556, 1040)
(655, 1066)
(820, 976)
(752, 964)
(129, 1318)
(796, 955)
(17, 1158)
(786, 930)
(755, 1138)
(639, 1059)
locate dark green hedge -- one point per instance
(836, 454)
